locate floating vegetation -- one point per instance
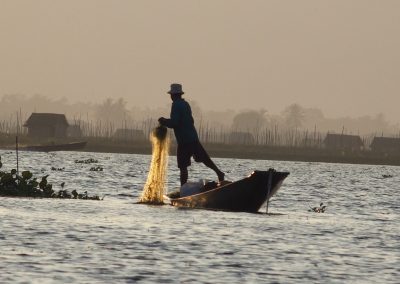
(320, 209)
(387, 176)
(87, 161)
(96, 169)
(57, 169)
(25, 185)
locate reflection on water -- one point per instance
(116, 240)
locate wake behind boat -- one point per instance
(73, 146)
(245, 195)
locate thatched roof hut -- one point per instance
(47, 125)
(343, 142)
(385, 145)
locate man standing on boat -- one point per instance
(182, 122)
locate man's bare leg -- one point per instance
(209, 163)
(184, 175)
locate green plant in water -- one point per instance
(57, 169)
(96, 169)
(87, 161)
(25, 185)
(320, 209)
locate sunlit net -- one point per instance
(154, 188)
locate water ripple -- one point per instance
(116, 240)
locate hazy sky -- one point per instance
(340, 56)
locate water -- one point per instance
(117, 241)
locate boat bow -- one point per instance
(247, 195)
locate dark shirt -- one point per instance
(182, 122)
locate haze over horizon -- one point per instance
(338, 56)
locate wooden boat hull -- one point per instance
(246, 195)
(56, 147)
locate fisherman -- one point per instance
(186, 135)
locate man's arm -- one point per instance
(172, 122)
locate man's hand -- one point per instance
(162, 120)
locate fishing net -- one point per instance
(153, 191)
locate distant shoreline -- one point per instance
(237, 152)
(258, 153)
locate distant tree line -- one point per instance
(16, 108)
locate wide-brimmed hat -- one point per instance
(176, 89)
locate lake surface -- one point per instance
(357, 240)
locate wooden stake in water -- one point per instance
(153, 191)
(16, 150)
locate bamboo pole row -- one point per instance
(273, 135)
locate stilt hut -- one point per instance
(51, 125)
(386, 145)
(343, 142)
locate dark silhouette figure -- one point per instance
(182, 122)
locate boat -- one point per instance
(73, 146)
(245, 195)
